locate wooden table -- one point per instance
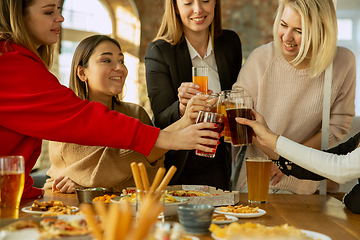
(320, 213)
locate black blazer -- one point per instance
(167, 66)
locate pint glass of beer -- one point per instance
(210, 117)
(200, 77)
(12, 177)
(258, 178)
(239, 104)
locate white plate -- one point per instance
(27, 210)
(231, 219)
(311, 234)
(192, 237)
(242, 215)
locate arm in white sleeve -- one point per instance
(339, 168)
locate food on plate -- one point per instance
(21, 225)
(57, 207)
(54, 228)
(132, 198)
(217, 217)
(239, 209)
(50, 228)
(250, 230)
(104, 199)
(188, 193)
(128, 191)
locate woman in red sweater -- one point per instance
(35, 106)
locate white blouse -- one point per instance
(339, 168)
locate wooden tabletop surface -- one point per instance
(319, 213)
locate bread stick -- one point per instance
(89, 215)
(112, 219)
(136, 174)
(124, 222)
(166, 179)
(144, 177)
(159, 175)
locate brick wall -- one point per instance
(251, 19)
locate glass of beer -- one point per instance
(258, 178)
(239, 104)
(224, 95)
(200, 77)
(210, 117)
(12, 178)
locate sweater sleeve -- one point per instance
(36, 105)
(339, 168)
(343, 108)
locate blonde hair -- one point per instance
(13, 29)
(171, 28)
(319, 32)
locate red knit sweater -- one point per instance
(35, 106)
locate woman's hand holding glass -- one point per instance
(263, 135)
(196, 104)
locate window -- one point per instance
(345, 29)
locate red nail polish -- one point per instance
(214, 150)
(215, 125)
(218, 142)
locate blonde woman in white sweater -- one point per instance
(286, 78)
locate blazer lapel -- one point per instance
(223, 66)
(183, 62)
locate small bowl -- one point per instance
(88, 194)
(195, 218)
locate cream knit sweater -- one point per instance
(91, 166)
(291, 102)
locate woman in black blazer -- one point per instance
(168, 61)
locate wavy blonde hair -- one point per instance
(12, 28)
(319, 32)
(171, 28)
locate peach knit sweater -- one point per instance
(291, 102)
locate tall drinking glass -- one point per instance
(200, 77)
(258, 178)
(239, 104)
(12, 178)
(211, 118)
(224, 95)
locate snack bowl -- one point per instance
(88, 194)
(196, 218)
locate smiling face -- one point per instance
(105, 73)
(196, 15)
(43, 22)
(290, 33)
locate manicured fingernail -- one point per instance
(215, 125)
(218, 142)
(214, 150)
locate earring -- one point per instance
(86, 90)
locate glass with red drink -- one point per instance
(239, 104)
(210, 117)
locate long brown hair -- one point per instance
(12, 28)
(81, 57)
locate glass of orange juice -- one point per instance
(200, 77)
